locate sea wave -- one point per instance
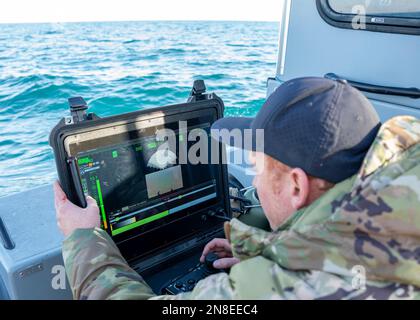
(117, 68)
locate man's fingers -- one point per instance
(215, 245)
(209, 247)
(218, 244)
(91, 202)
(223, 254)
(59, 195)
(225, 263)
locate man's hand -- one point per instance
(223, 249)
(71, 217)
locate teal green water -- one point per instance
(117, 67)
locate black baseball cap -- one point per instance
(322, 126)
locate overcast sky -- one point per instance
(121, 10)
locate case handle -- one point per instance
(5, 236)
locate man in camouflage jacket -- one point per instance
(358, 240)
(367, 226)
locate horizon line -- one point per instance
(144, 20)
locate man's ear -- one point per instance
(299, 188)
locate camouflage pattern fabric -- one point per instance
(361, 240)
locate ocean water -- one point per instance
(117, 67)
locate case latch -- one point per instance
(78, 107)
(198, 91)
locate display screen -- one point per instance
(139, 185)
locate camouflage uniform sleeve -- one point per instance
(96, 269)
(269, 281)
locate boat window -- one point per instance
(393, 16)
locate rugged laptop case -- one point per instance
(174, 258)
(80, 121)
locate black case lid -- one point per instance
(197, 101)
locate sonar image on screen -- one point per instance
(135, 183)
(164, 181)
(161, 159)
